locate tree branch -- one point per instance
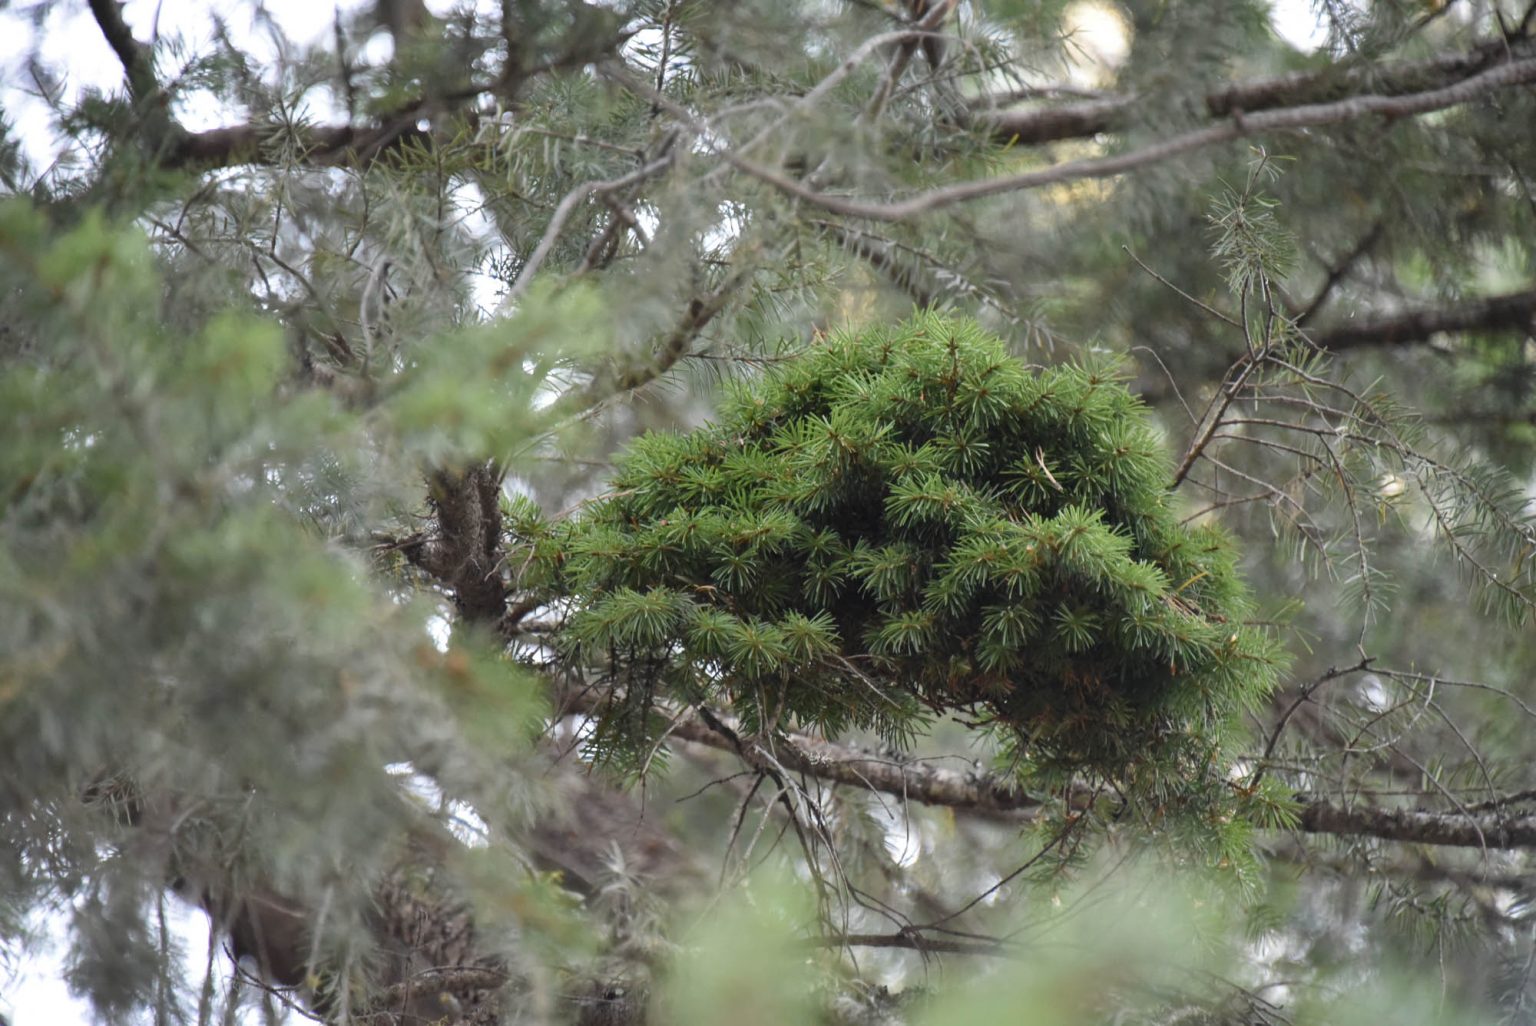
(841, 764)
(319, 146)
(1486, 830)
(595, 34)
(993, 794)
(465, 553)
(913, 940)
(348, 145)
(879, 254)
(1512, 311)
(567, 206)
(159, 131)
(138, 64)
(613, 381)
(1108, 114)
(1338, 270)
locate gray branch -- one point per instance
(997, 795)
(1090, 117)
(1514, 311)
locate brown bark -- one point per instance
(430, 963)
(466, 552)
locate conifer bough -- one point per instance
(908, 519)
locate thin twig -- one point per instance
(563, 211)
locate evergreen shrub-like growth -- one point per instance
(908, 518)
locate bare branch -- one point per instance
(913, 940)
(318, 146)
(1303, 696)
(1108, 114)
(993, 794)
(138, 64)
(1239, 374)
(840, 764)
(1514, 311)
(1338, 270)
(1320, 816)
(158, 130)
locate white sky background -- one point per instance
(72, 45)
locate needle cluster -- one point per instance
(908, 520)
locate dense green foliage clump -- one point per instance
(910, 518)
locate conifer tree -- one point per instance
(662, 511)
